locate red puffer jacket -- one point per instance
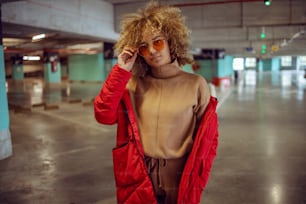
(113, 105)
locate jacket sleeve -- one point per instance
(106, 103)
(212, 152)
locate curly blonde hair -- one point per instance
(166, 19)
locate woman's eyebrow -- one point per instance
(142, 43)
(154, 38)
(158, 36)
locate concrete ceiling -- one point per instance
(233, 25)
(236, 25)
(20, 38)
(17, 39)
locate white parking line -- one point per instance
(75, 151)
(223, 99)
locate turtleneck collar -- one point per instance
(166, 71)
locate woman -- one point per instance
(167, 125)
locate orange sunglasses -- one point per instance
(157, 44)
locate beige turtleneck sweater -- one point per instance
(168, 103)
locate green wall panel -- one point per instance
(206, 69)
(266, 65)
(86, 67)
(225, 67)
(109, 63)
(188, 68)
(275, 66)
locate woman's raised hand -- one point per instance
(127, 58)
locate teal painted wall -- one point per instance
(266, 64)
(50, 76)
(86, 67)
(260, 66)
(275, 70)
(109, 63)
(18, 72)
(188, 68)
(206, 69)
(275, 64)
(225, 67)
(210, 69)
(4, 115)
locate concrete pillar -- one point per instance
(52, 72)
(224, 71)
(225, 67)
(275, 64)
(17, 73)
(260, 66)
(215, 67)
(52, 68)
(275, 70)
(5, 136)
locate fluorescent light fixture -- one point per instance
(267, 2)
(40, 36)
(31, 58)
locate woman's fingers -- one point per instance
(128, 53)
(127, 58)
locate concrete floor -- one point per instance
(62, 156)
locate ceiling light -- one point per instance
(267, 2)
(37, 37)
(31, 58)
(262, 35)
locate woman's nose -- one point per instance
(152, 50)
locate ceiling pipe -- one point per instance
(290, 11)
(191, 4)
(214, 3)
(15, 50)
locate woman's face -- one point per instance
(154, 49)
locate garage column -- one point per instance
(224, 71)
(17, 72)
(214, 66)
(5, 136)
(52, 68)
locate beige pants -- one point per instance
(165, 175)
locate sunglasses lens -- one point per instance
(144, 50)
(158, 44)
